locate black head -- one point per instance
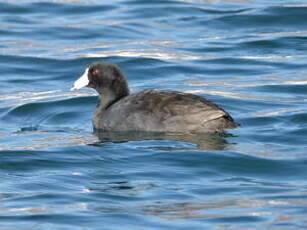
(102, 77)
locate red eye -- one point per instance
(96, 72)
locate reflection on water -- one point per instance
(145, 53)
(248, 209)
(234, 208)
(12, 99)
(207, 210)
(205, 141)
(37, 137)
(227, 1)
(30, 138)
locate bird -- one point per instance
(149, 110)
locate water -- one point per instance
(249, 56)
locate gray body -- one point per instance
(162, 111)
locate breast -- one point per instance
(164, 111)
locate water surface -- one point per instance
(247, 56)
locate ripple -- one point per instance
(20, 98)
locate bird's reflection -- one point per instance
(200, 141)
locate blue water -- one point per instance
(248, 56)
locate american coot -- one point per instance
(148, 110)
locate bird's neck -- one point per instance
(108, 97)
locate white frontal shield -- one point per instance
(81, 82)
